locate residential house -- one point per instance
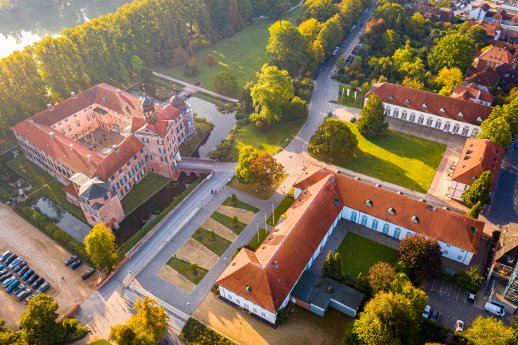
(494, 57)
(451, 115)
(470, 92)
(442, 15)
(486, 78)
(263, 281)
(494, 31)
(103, 141)
(505, 264)
(479, 11)
(478, 156)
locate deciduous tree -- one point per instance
(497, 130)
(265, 170)
(333, 139)
(100, 246)
(287, 46)
(488, 330)
(38, 322)
(372, 122)
(452, 50)
(321, 10)
(448, 78)
(226, 83)
(247, 155)
(381, 276)
(475, 210)
(479, 191)
(419, 256)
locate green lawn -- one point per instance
(239, 204)
(228, 222)
(280, 210)
(186, 269)
(242, 53)
(151, 184)
(211, 240)
(359, 254)
(271, 140)
(350, 101)
(39, 178)
(258, 239)
(397, 158)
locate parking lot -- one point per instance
(450, 301)
(46, 258)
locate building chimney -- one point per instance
(31, 122)
(71, 147)
(114, 147)
(51, 135)
(73, 94)
(89, 157)
(50, 107)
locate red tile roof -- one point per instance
(470, 91)
(497, 55)
(487, 77)
(433, 103)
(491, 28)
(267, 276)
(163, 116)
(118, 157)
(478, 155)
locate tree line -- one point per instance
(101, 50)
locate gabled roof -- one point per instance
(486, 76)
(478, 155)
(491, 28)
(483, 6)
(498, 55)
(164, 115)
(507, 247)
(118, 157)
(431, 103)
(470, 91)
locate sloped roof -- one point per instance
(507, 247)
(163, 117)
(478, 155)
(486, 76)
(118, 157)
(267, 276)
(498, 55)
(470, 91)
(431, 103)
(94, 188)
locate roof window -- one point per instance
(390, 98)
(336, 201)
(248, 288)
(407, 101)
(479, 119)
(473, 230)
(415, 219)
(460, 114)
(442, 110)
(368, 203)
(391, 211)
(424, 105)
(275, 264)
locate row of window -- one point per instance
(246, 306)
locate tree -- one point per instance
(265, 170)
(403, 286)
(287, 46)
(146, 327)
(100, 247)
(226, 83)
(420, 257)
(9, 337)
(388, 318)
(320, 10)
(247, 154)
(333, 139)
(137, 64)
(38, 322)
(448, 78)
(391, 12)
(452, 50)
(332, 267)
(372, 122)
(497, 130)
(273, 89)
(296, 109)
(475, 210)
(381, 276)
(479, 191)
(488, 330)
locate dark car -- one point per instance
(70, 260)
(33, 278)
(76, 264)
(21, 295)
(19, 289)
(27, 274)
(516, 145)
(44, 287)
(435, 316)
(88, 273)
(10, 259)
(5, 276)
(37, 282)
(19, 266)
(23, 270)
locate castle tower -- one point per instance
(148, 107)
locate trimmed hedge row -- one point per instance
(196, 333)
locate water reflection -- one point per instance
(24, 26)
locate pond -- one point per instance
(59, 216)
(23, 26)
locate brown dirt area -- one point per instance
(195, 252)
(219, 229)
(169, 274)
(46, 257)
(244, 216)
(301, 328)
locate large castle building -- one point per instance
(103, 141)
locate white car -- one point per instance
(459, 326)
(427, 311)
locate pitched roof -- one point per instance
(470, 91)
(164, 114)
(486, 76)
(491, 28)
(498, 55)
(478, 155)
(267, 276)
(483, 6)
(118, 157)
(507, 247)
(431, 103)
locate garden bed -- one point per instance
(229, 222)
(212, 241)
(192, 272)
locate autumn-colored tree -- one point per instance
(265, 170)
(381, 276)
(448, 78)
(419, 256)
(211, 60)
(100, 246)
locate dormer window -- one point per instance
(391, 211)
(415, 219)
(248, 288)
(390, 98)
(407, 101)
(275, 264)
(460, 114)
(479, 119)
(442, 110)
(424, 105)
(368, 203)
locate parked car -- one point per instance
(14, 284)
(29, 298)
(70, 260)
(435, 316)
(470, 297)
(5, 255)
(88, 273)
(5, 276)
(494, 309)
(19, 289)
(516, 145)
(2, 272)
(37, 282)
(22, 271)
(76, 264)
(8, 281)
(33, 278)
(27, 274)
(427, 311)
(44, 287)
(19, 266)
(14, 262)
(459, 326)
(21, 295)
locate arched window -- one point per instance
(447, 127)
(364, 220)
(420, 120)
(408, 234)
(465, 131)
(397, 233)
(353, 216)
(429, 122)
(412, 117)
(374, 224)
(438, 124)
(475, 132)
(386, 229)
(395, 113)
(403, 115)
(387, 111)
(456, 128)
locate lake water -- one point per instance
(22, 27)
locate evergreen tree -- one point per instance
(479, 191)
(475, 210)
(372, 122)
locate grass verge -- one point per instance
(211, 240)
(258, 239)
(239, 204)
(190, 271)
(150, 185)
(229, 222)
(359, 254)
(350, 101)
(140, 234)
(280, 210)
(261, 192)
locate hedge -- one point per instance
(5, 196)
(196, 333)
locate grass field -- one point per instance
(258, 239)
(228, 222)
(242, 53)
(151, 184)
(215, 243)
(239, 204)
(397, 158)
(186, 269)
(43, 183)
(280, 210)
(359, 254)
(351, 100)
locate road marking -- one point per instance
(441, 287)
(449, 290)
(458, 292)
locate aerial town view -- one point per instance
(287, 172)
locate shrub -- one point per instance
(471, 279)
(211, 60)
(73, 330)
(196, 333)
(5, 196)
